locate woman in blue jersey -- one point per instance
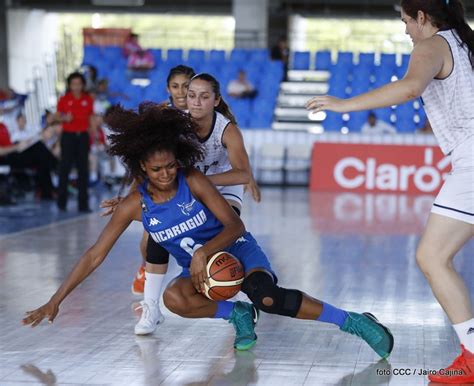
(225, 163)
(184, 212)
(177, 84)
(441, 70)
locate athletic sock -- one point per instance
(331, 314)
(224, 310)
(153, 283)
(465, 331)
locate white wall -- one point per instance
(31, 38)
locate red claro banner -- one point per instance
(410, 169)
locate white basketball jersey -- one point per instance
(216, 158)
(449, 102)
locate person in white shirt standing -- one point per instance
(441, 70)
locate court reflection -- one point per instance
(369, 213)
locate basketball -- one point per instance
(226, 275)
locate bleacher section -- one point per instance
(345, 77)
(278, 105)
(264, 74)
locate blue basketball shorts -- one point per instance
(249, 253)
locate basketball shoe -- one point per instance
(151, 317)
(138, 284)
(460, 371)
(244, 317)
(367, 327)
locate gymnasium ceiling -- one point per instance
(304, 7)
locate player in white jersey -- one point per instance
(226, 160)
(441, 70)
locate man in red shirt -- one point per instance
(74, 110)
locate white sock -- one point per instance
(153, 283)
(465, 331)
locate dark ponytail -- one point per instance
(222, 107)
(457, 20)
(444, 14)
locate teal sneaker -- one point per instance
(244, 318)
(367, 327)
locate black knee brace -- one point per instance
(259, 285)
(155, 253)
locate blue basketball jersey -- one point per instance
(181, 225)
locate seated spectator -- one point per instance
(241, 87)
(377, 126)
(102, 97)
(90, 74)
(29, 153)
(24, 131)
(51, 133)
(131, 45)
(138, 58)
(11, 104)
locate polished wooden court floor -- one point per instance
(356, 251)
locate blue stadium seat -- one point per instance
(112, 53)
(405, 111)
(323, 60)
(157, 55)
(213, 68)
(333, 121)
(406, 125)
(384, 113)
(239, 56)
(405, 60)
(357, 120)
(217, 56)
(174, 55)
(155, 93)
(301, 60)
(345, 58)
(273, 71)
(91, 54)
(259, 55)
(358, 88)
(388, 61)
(261, 121)
(382, 75)
(366, 60)
(361, 74)
(196, 56)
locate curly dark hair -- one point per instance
(135, 136)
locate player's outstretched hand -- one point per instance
(49, 310)
(254, 190)
(198, 269)
(110, 205)
(326, 102)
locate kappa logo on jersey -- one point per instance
(186, 208)
(241, 240)
(470, 331)
(154, 221)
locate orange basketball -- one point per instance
(226, 274)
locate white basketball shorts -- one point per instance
(456, 197)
